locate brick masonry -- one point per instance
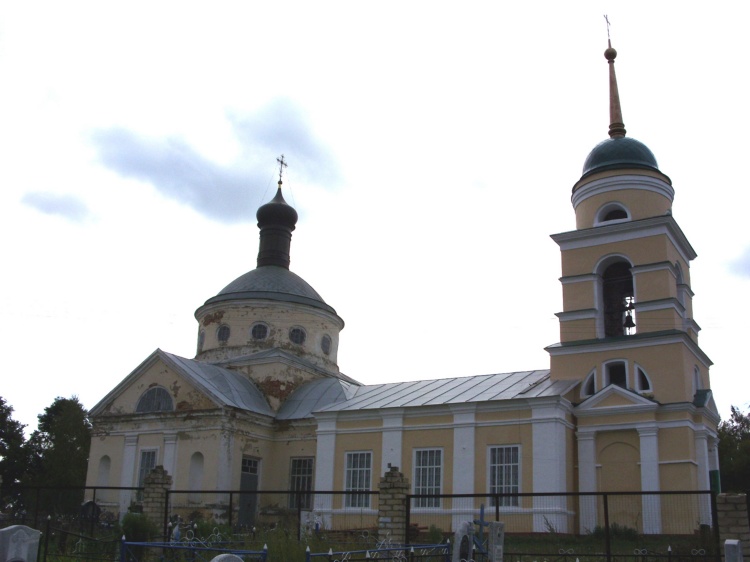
(392, 511)
(155, 487)
(733, 520)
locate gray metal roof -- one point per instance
(276, 354)
(313, 396)
(459, 390)
(227, 387)
(271, 282)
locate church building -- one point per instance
(626, 404)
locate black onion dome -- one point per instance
(277, 212)
(619, 153)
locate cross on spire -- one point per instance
(606, 18)
(282, 165)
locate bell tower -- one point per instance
(627, 331)
(627, 305)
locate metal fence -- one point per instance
(93, 510)
(669, 525)
(680, 525)
(298, 513)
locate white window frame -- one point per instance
(637, 377)
(512, 488)
(357, 479)
(420, 471)
(697, 380)
(605, 372)
(591, 377)
(607, 208)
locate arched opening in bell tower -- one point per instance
(618, 300)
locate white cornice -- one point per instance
(633, 230)
(585, 314)
(634, 342)
(584, 278)
(657, 266)
(620, 183)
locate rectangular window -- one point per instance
(504, 468)
(148, 462)
(250, 466)
(428, 464)
(358, 476)
(300, 480)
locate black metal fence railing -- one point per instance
(680, 525)
(651, 525)
(93, 510)
(296, 513)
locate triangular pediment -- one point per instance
(192, 385)
(614, 397)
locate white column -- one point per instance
(704, 482)
(170, 456)
(587, 480)
(549, 470)
(649, 445)
(464, 423)
(325, 461)
(393, 431)
(128, 471)
(225, 467)
(464, 419)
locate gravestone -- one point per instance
(463, 542)
(226, 558)
(19, 543)
(732, 550)
(496, 541)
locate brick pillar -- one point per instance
(392, 511)
(155, 487)
(733, 520)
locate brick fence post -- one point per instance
(733, 521)
(392, 506)
(155, 487)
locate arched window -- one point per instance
(697, 384)
(611, 212)
(195, 477)
(155, 399)
(616, 372)
(618, 300)
(681, 287)
(102, 476)
(223, 334)
(201, 340)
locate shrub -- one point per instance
(138, 528)
(616, 530)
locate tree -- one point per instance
(59, 448)
(14, 461)
(734, 452)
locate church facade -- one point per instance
(626, 404)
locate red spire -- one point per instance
(616, 126)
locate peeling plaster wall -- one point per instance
(280, 318)
(185, 396)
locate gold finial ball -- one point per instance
(610, 54)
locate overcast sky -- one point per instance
(432, 148)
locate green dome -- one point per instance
(618, 153)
